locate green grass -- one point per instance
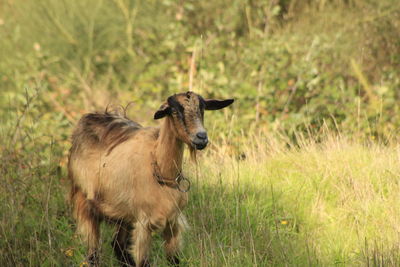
(294, 67)
(328, 204)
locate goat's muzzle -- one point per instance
(200, 141)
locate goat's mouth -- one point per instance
(199, 145)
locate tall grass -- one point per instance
(299, 61)
(321, 204)
(325, 203)
(294, 194)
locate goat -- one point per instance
(125, 173)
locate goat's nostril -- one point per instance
(202, 135)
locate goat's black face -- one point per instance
(187, 113)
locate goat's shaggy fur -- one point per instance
(112, 175)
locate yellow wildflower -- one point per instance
(36, 47)
(69, 252)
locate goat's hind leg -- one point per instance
(88, 224)
(121, 244)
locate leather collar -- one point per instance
(174, 182)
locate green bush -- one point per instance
(298, 70)
(292, 65)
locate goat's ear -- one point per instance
(163, 111)
(213, 104)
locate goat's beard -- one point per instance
(193, 154)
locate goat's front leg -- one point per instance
(121, 244)
(172, 235)
(141, 241)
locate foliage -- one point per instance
(291, 64)
(282, 193)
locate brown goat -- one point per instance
(125, 173)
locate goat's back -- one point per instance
(102, 131)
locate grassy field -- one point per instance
(334, 203)
(303, 169)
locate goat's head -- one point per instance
(186, 110)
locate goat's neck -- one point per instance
(169, 150)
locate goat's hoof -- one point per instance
(144, 263)
(173, 261)
(129, 262)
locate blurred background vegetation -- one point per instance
(292, 65)
(299, 68)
